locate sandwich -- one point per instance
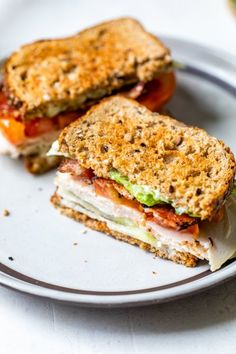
(50, 83)
(149, 180)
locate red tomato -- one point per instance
(158, 92)
(11, 128)
(105, 188)
(65, 119)
(17, 131)
(38, 126)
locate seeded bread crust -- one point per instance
(184, 163)
(50, 76)
(39, 164)
(184, 258)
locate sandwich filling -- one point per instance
(145, 216)
(19, 132)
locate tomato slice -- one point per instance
(10, 126)
(17, 131)
(13, 130)
(38, 126)
(65, 119)
(158, 92)
(105, 188)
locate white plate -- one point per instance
(46, 254)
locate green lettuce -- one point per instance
(144, 194)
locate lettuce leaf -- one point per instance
(144, 194)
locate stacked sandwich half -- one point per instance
(50, 83)
(149, 180)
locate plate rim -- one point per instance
(142, 299)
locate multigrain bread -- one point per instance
(50, 76)
(166, 252)
(183, 163)
(39, 164)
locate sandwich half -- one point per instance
(48, 84)
(149, 180)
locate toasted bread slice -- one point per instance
(51, 76)
(164, 251)
(193, 170)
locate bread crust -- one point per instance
(183, 163)
(39, 164)
(50, 76)
(184, 258)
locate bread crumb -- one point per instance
(154, 273)
(83, 231)
(6, 212)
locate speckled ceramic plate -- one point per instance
(48, 255)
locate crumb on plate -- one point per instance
(83, 231)
(6, 212)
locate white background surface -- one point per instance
(199, 324)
